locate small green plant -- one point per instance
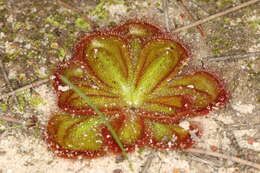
(130, 75)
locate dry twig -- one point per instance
(10, 119)
(22, 123)
(34, 84)
(82, 168)
(148, 162)
(198, 6)
(191, 18)
(233, 57)
(166, 14)
(208, 162)
(245, 4)
(77, 11)
(7, 80)
(223, 156)
(230, 135)
(243, 126)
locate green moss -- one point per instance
(219, 46)
(258, 100)
(61, 18)
(15, 54)
(80, 23)
(36, 36)
(32, 54)
(37, 132)
(25, 99)
(223, 3)
(50, 36)
(112, 23)
(158, 4)
(61, 54)
(254, 25)
(252, 73)
(218, 41)
(22, 76)
(2, 5)
(227, 19)
(18, 25)
(55, 22)
(35, 100)
(3, 107)
(40, 74)
(22, 103)
(2, 122)
(100, 11)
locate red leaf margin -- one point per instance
(78, 58)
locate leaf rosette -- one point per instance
(131, 73)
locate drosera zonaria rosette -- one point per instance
(130, 74)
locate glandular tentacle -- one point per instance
(129, 75)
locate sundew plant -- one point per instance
(131, 73)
